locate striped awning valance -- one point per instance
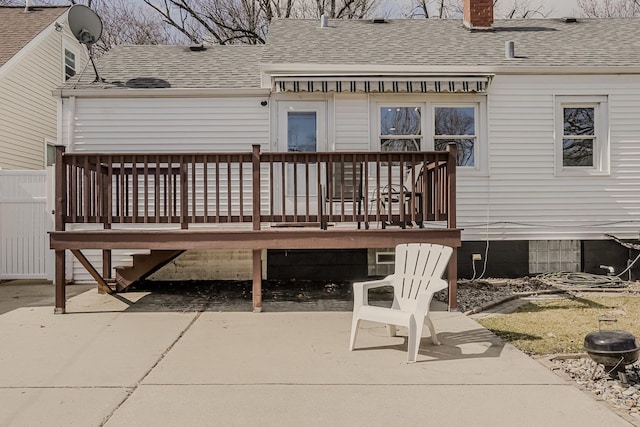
(474, 84)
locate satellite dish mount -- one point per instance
(86, 26)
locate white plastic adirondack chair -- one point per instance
(418, 275)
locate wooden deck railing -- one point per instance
(254, 188)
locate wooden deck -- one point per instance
(215, 192)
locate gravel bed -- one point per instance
(473, 295)
(624, 397)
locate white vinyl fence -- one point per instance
(25, 219)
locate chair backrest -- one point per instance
(418, 269)
(344, 181)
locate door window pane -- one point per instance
(301, 137)
(302, 131)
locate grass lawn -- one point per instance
(559, 326)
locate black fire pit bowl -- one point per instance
(612, 348)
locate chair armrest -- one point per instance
(424, 298)
(361, 289)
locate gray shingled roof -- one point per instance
(229, 67)
(443, 44)
(18, 28)
(446, 43)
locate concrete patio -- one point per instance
(106, 363)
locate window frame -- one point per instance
(601, 143)
(49, 148)
(394, 104)
(66, 49)
(428, 103)
(476, 115)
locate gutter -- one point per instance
(438, 70)
(157, 93)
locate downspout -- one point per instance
(71, 116)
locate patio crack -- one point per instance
(146, 374)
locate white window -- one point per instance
(400, 128)
(50, 152)
(456, 124)
(432, 124)
(69, 64)
(582, 146)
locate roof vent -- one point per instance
(197, 47)
(324, 21)
(379, 21)
(569, 20)
(510, 50)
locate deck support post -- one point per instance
(257, 280)
(452, 273)
(61, 298)
(257, 253)
(60, 211)
(106, 264)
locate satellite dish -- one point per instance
(86, 26)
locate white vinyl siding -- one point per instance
(351, 123)
(196, 125)
(28, 110)
(167, 125)
(522, 199)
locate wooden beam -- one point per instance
(61, 299)
(106, 264)
(102, 285)
(251, 239)
(257, 281)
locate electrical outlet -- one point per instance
(476, 257)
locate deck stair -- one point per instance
(143, 266)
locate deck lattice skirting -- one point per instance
(251, 201)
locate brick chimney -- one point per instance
(478, 14)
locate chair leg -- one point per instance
(354, 332)
(413, 341)
(432, 329)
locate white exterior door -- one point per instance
(302, 127)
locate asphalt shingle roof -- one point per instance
(144, 66)
(18, 28)
(443, 42)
